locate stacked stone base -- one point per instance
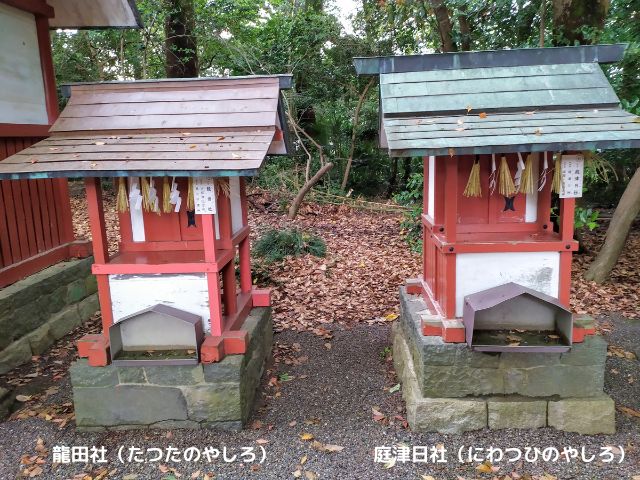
(44, 307)
(449, 388)
(217, 395)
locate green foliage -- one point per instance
(412, 197)
(586, 218)
(385, 352)
(275, 245)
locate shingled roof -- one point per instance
(198, 127)
(522, 100)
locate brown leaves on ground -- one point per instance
(621, 294)
(31, 465)
(358, 280)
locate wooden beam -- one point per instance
(37, 7)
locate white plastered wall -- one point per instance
(22, 96)
(431, 195)
(236, 204)
(475, 272)
(132, 293)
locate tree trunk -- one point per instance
(569, 16)
(444, 25)
(356, 117)
(465, 28)
(295, 205)
(618, 231)
(393, 177)
(181, 54)
(543, 15)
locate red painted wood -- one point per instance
(106, 309)
(472, 210)
(244, 246)
(567, 212)
(564, 291)
(37, 7)
(245, 304)
(449, 304)
(209, 237)
(46, 62)
(451, 198)
(15, 130)
(229, 289)
(28, 217)
(16, 271)
(439, 182)
(14, 241)
(96, 220)
(215, 304)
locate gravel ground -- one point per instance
(332, 388)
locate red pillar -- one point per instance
(567, 212)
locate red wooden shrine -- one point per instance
(467, 239)
(178, 152)
(463, 113)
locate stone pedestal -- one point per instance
(449, 388)
(44, 307)
(217, 395)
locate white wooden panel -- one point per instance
(531, 204)
(135, 210)
(94, 13)
(132, 293)
(431, 200)
(236, 204)
(22, 97)
(475, 272)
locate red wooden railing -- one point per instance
(36, 228)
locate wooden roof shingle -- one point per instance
(500, 102)
(200, 127)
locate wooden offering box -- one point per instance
(178, 152)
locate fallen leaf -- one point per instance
(486, 467)
(262, 441)
(326, 447)
(24, 398)
(99, 143)
(628, 411)
(395, 388)
(482, 115)
(305, 437)
(469, 108)
(427, 477)
(309, 475)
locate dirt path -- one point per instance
(328, 393)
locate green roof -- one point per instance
(499, 109)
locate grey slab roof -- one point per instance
(519, 106)
(200, 127)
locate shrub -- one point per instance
(275, 245)
(412, 225)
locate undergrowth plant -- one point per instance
(411, 225)
(275, 245)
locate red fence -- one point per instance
(35, 220)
